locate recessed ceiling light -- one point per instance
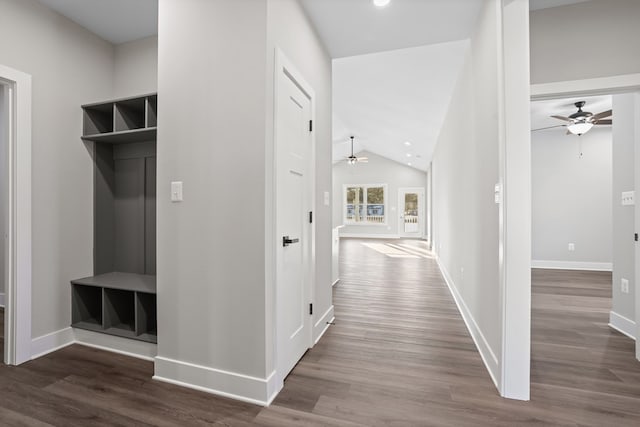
(407, 143)
(381, 3)
(408, 154)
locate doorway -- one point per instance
(411, 211)
(294, 200)
(16, 232)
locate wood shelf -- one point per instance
(125, 281)
(123, 137)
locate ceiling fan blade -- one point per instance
(549, 127)
(602, 115)
(604, 122)
(566, 119)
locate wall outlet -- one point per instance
(624, 286)
(628, 198)
(572, 247)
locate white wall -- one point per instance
(211, 255)
(136, 68)
(70, 67)
(571, 199)
(215, 272)
(608, 27)
(465, 169)
(624, 131)
(379, 170)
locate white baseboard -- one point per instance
(2, 299)
(128, 347)
(323, 324)
(622, 324)
(51, 342)
(572, 265)
(56, 340)
(370, 236)
(486, 353)
(254, 390)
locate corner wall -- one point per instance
(136, 68)
(481, 197)
(465, 169)
(70, 66)
(623, 313)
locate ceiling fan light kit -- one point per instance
(579, 128)
(581, 122)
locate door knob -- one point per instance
(286, 241)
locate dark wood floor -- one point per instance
(398, 355)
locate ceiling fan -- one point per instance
(581, 122)
(352, 160)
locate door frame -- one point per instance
(284, 65)
(18, 242)
(421, 210)
(629, 83)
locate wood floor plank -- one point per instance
(399, 354)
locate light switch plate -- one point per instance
(628, 198)
(497, 194)
(176, 191)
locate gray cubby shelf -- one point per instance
(120, 298)
(121, 304)
(121, 121)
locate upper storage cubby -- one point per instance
(121, 121)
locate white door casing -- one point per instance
(17, 239)
(294, 160)
(411, 222)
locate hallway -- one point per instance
(399, 354)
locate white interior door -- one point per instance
(411, 212)
(293, 189)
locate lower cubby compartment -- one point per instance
(146, 317)
(119, 312)
(86, 311)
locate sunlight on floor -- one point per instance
(399, 251)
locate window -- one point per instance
(365, 204)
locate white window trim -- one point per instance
(365, 223)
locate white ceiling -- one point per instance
(542, 110)
(385, 99)
(356, 27)
(117, 21)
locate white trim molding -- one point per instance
(622, 324)
(597, 86)
(18, 245)
(51, 342)
(57, 340)
(259, 391)
(486, 352)
(2, 300)
(323, 324)
(572, 265)
(128, 347)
